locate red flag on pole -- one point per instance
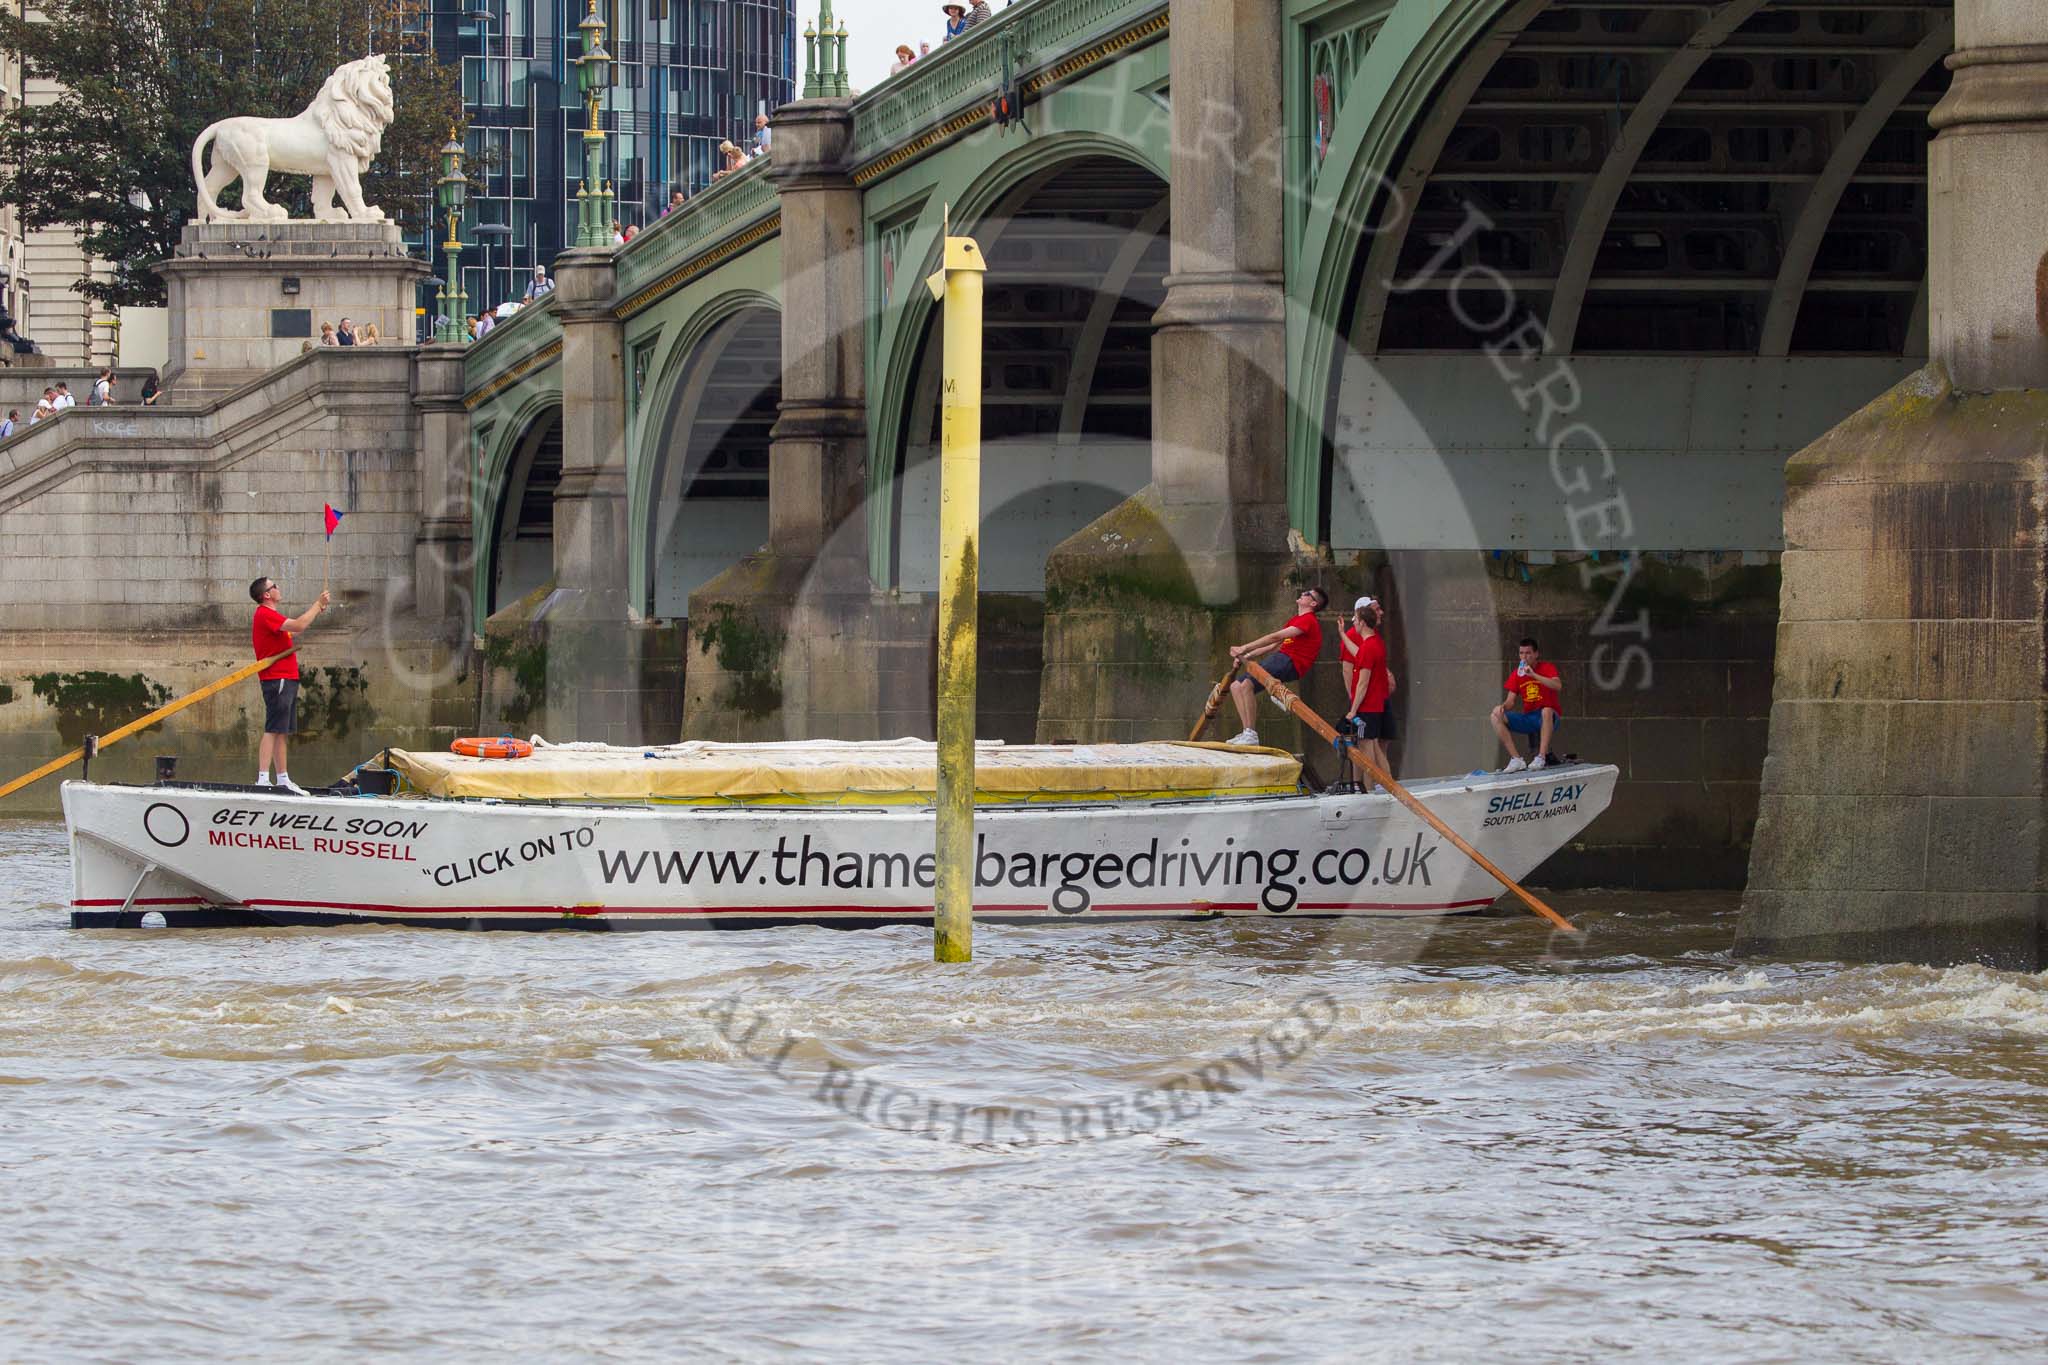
(333, 519)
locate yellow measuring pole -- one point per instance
(957, 284)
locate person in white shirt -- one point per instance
(102, 389)
(539, 285)
(7, 427)
(64, 399)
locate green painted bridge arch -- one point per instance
(1114, 115)
(514, 400)
(684, 348)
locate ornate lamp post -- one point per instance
(449, 192)
(593, 73)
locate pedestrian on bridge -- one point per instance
(960, 18)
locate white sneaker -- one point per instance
(262, 780)
(1515, 764)
(1539, 762)
(285, 784)
(1247, 737)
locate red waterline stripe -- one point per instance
(588, 911)
(1183, 907)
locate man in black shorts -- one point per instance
(1299, 642)
(271, 633)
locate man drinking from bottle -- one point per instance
(1534, 690)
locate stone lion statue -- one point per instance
(333, 141)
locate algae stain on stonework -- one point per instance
(332, 700)
(526, 660)
(749, 655)
(92, 703)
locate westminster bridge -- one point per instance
(1696, 339)
(1513, 310)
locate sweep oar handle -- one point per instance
(171, 709)
(1214, 704)
(1302, 712)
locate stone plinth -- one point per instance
(234, 287)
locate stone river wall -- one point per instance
(129, 538)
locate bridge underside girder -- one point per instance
(1670, 178)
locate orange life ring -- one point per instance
(492, 746)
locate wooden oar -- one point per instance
(189, 699)
(1301, 712)
(1214, 704)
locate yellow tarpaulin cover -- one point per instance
(836, 772)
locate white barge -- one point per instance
(733, 836)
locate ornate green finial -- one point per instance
(825, 70)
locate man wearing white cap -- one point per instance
(1367, 683)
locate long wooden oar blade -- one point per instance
(1308, 717)
(170, 709)
(1214, 704)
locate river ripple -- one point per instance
(330, 1142)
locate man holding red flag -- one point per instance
(271, 633)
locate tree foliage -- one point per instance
(143, 78)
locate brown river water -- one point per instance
(1464, 1139)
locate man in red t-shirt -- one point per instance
(1536, 689)
(1367, 683)
(1300, 640)
(271, 633)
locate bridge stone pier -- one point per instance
(1200, 559)
(807, 588)
(1902, 811)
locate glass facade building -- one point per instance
(686, 75)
